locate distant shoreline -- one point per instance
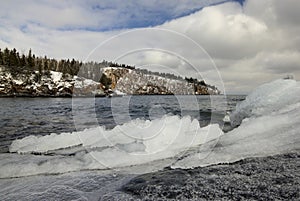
(104, 96)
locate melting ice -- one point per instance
(269, 123)
(134, 143)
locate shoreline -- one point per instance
(105, 96)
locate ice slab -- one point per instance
(134, 143)
(269, 123)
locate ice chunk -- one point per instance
(134, 143)
(270, 124)
(267, 98)
(226, 118)
(120, 93)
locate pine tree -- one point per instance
(45, 61)
(23, 61)
(1, 57)
(6, 57)
(13, 57)
(30, 60)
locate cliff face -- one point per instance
(135, 82)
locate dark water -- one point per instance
(20, 117)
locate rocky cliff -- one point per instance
(121, 81)
(135, 82)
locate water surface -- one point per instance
(20, 117)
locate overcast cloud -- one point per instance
(241, 46)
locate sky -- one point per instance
(236, 45)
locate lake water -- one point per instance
(73, 174)
(89, 148)
(20, 117)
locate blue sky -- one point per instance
(138, 15)
(236, 45)
(98, 15)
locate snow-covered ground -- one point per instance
(54, 85)
(134, 82)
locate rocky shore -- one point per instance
(266, 178)
(53, 85)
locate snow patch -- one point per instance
(117, 92)
(83, 82)
(56, 76)
(18, 82)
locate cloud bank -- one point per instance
(241, 46)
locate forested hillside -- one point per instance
(31, 75)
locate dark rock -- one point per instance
(267, 178)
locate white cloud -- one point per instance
(224, 34)
(96, 15)
(249, 45)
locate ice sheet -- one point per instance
(269, 121)
(267, 98)
(134, 143)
